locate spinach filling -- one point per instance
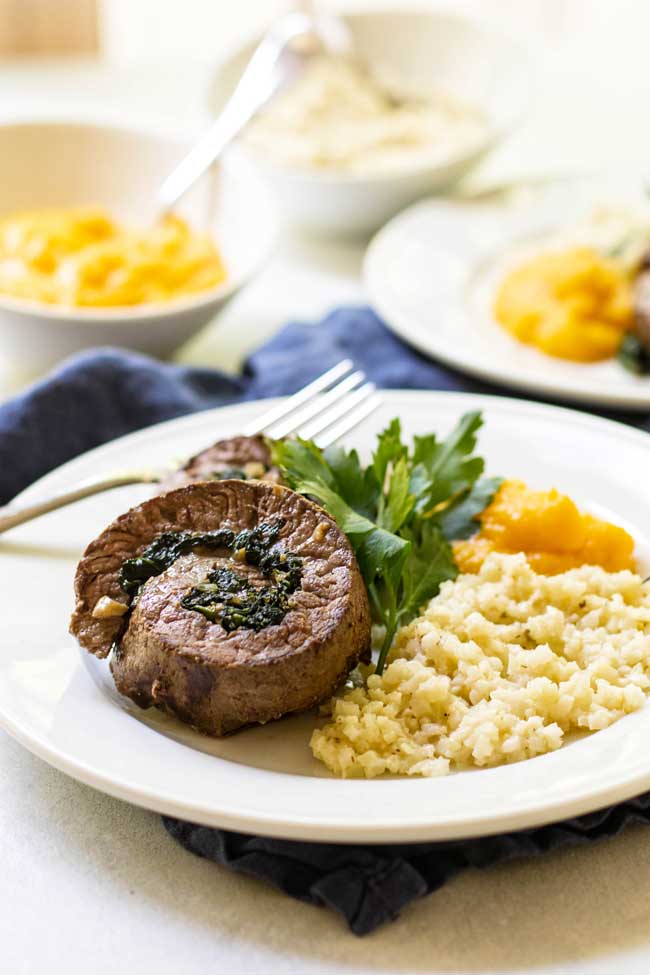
(224, 596)
(163, 552)
(229, 599)
(228, 474)
(634, 355)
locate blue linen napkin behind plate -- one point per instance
(107, 393)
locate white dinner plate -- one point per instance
(61, 703)
(432, 273)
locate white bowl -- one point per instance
(427, 50)
(74, 164)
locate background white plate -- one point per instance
(63, 707)
(431, 274)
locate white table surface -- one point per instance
(91, 884)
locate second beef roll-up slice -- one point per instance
(225, 603)
(243, 458)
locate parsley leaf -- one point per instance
(459, 519)
(398, 501)
(358, 486)
(442, 469)
(389, 450)
(429, 563)
(399, 512)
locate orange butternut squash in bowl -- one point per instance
(83, 258)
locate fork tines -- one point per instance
(324, 410)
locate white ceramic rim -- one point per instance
(399, 321)
(570, 801)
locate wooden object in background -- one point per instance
(34, 27)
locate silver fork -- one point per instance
(324, 411)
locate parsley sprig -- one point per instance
(399, 512)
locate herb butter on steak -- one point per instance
(225, 603)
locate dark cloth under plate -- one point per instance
(369, 885)
(106, 393)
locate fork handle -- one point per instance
(11, 518)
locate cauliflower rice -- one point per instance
(500, 667)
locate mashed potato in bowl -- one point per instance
(82, 258)
(338, 118)
(501, 666)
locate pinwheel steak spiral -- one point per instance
(224, 603)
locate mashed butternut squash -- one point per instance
(81, 257)
(548, 527)
(573, 304)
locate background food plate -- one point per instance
(432, 272)
(61, 704)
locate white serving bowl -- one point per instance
(427, 51)
(61, 164)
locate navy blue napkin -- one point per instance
(106, 393)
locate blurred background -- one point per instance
(151, 62)
(591, 89)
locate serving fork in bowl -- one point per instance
(324, 410)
